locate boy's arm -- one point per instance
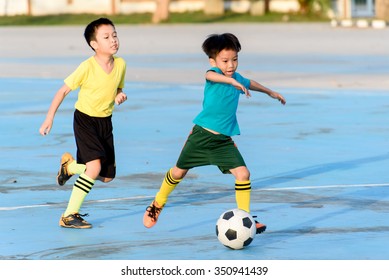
(219, 78)
(57, 100)
(258, 87)
(120, 97)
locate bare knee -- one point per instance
(178, 173)
(93, 169)
(241, 173)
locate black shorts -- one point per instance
(94, 140)
(205, 148)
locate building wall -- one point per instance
(46, 7)
(382, 8)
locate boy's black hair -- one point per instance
(215, 43)
(90, 30)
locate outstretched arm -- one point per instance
(219, 78)
(57, 100)
(258, 87)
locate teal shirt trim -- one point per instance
(220, 105)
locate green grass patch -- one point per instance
(230, 17)
(71, 19)
(196, 17)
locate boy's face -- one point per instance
(107, 41)
(226, 61)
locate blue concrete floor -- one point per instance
(318, 166)
(318, 173)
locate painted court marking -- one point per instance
(150, 197)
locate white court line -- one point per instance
(328, 187)
(91, 201)
(150, 197)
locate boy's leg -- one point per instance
(68, 168)
(243, 193)
(193, 154)
(95, 147)
(76, 168)
(71, 217)
(169, 183)
(242, 187)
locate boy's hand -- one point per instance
(120, 98)
(46, 127)
(239, 86)
(278, 96)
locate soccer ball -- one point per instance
(235, 229)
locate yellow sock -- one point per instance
(81, 188)
(76, 168)
(242, 194)
(168, 185)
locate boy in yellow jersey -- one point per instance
(101, 80)
(210, 142)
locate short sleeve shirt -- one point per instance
(220, 105)
(98, 89)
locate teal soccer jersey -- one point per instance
(220, 105)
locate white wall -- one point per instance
(13, 7)
(45, 7)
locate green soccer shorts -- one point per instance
(205, 148)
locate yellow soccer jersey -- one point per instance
(98, 89)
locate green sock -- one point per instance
(76, 168)
(81, 188)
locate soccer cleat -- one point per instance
(74, 221)
(260, 227)
(150, 217)
(63, 173)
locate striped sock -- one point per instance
(242, 194)
(81, 188)
(76, 168)
(168, 185)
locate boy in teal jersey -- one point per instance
(210, 142)
(101, 80)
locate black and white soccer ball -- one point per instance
(235, 229)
